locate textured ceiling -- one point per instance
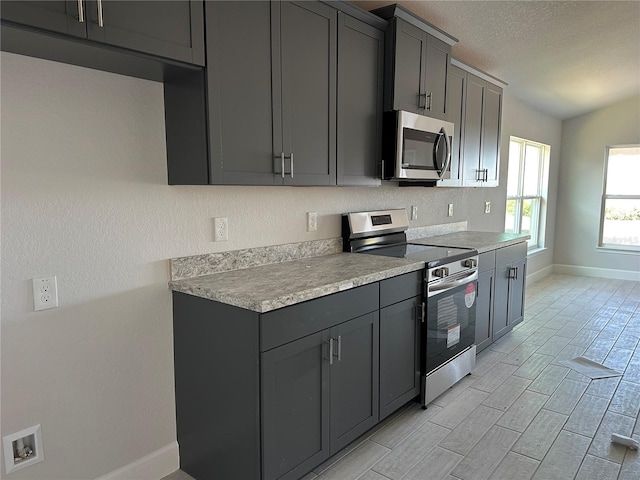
(562, 57)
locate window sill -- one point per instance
(535, 251)
(621, 249)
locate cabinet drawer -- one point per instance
(487, 261)
(290, 323)
(396, 289)
(511, 253)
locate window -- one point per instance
(526, 189)
(620, 211)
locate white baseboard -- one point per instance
(154, 466)
(540, 274)
(596, 272)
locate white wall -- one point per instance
(581, 175)
(84, 197)
(520, 120)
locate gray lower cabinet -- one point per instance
(270, 396)
(400, 324)
(501, 289)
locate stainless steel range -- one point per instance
(447, 336)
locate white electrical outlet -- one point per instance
(45, 293)
(487, 207)
(414, 212)
(450, 210)
(312, 221)
(221, 226)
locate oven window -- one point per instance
(451, 325)
(417, 149)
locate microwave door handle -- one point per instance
(442, 168)
(443, 132)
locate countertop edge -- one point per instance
(295, 297)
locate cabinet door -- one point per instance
(436, 67)
(410, 56)
(239, 93)
(456, 89)
(295, 407)
(501, 302)
(516, 292)
(491, 124)
(399, 354)
(170, 29)
(354, 379)
(359, 109)
(53, 15)
(474, 104)
(304, 55)
(484, 310)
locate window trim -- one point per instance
(613, 247)
(538, 224)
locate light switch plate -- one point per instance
(487, 207)
(450, 210)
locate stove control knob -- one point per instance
(470, 263)
(441, 272)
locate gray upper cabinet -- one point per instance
(265, 111)
(482, 123)
(303, 55)
(359, 109)
(417, 61)
(239, 97)
(168, 29)
(455, 108)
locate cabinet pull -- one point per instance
(80, 11)
(339, 348)
(281, 164)
(428, 101)
(486, 174)
(291, 157)
(513, 273)
(331, 351)
(420, 104)
(100, 15)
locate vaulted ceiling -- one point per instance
(565, 58)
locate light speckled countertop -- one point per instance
(269, 287)
(481, 241)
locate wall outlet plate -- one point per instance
(414, 212)
(45, 293)
(221, 229)
(312, 221)
(450, 210)
(487, 207)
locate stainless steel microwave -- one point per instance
(415, 147)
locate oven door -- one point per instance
(450, 319)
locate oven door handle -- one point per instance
(440, 287)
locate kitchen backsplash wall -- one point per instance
(84, 197)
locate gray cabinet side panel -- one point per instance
(239, 93)
(217, 382)
(359, 106)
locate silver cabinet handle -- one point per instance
(80, 11)
(331, 351)
(100, 15)
(420, 104)
(513, 273)
(282, 162)
(339, 348)
(428, 101)
(291, 164)
(423, 304)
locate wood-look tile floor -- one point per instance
(522, 414)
